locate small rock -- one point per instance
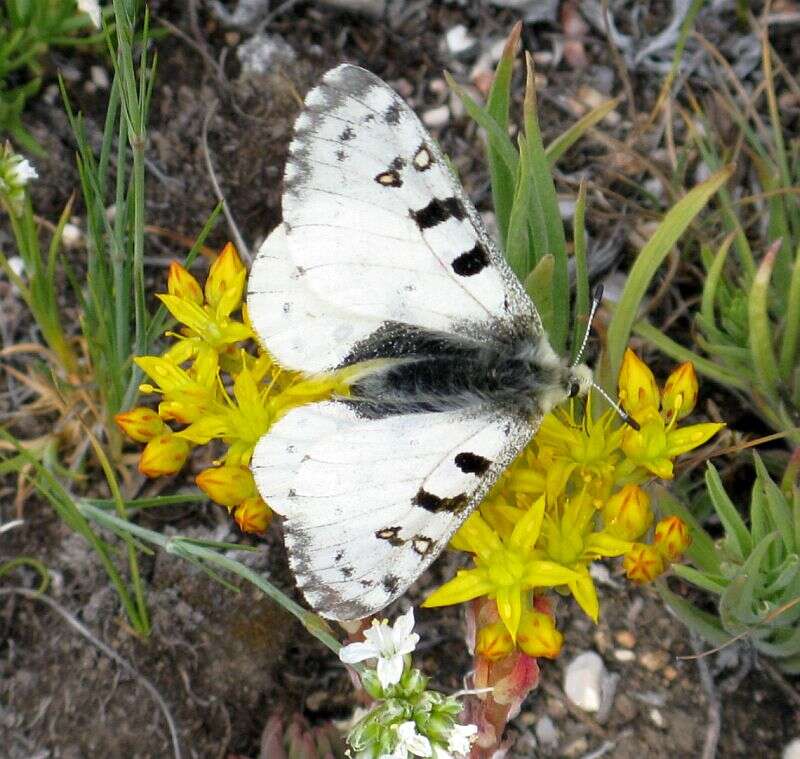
(624, 655)
(403, 87)
(625, 638)
(436, 117)
(653, 661)
(437, 86)
(792, 749)
(625, 707)
(100, 77)
(583, 680)
(546, 732)
(71, 236)
(602, 641)
(262, 52)
(657, 718)
(556, 709)
(232, 39)
(670, 673)
(575, 748)
(460, 44)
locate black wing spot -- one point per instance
(287, 307)
(347, 572)
(472, 463)
(392, 534)
(341, 155)
(389, 179)
(369, 117)
(472, 262)
(423, 158)
(347, 134)
(391, 583)
(438, 211)
(435, 504)
(392, 115)
(366, 583)
(292, 493)
(339, 555)
(422, 544)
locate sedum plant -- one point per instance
(754, 572)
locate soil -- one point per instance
(225, 662)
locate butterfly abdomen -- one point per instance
(460, 373)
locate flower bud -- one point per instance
(226, 280)
(643, 564)
(494, 642)
(671, 538)
(183, 285)
(627, 514)
(253, 515)
(537, 635)
(680, 392)
(163, 455)
(140, 424)
(371, 683)
(637, 386)
(227, 485)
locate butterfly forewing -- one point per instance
(371, 502)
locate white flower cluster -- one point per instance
(15, 173)
(409, 721)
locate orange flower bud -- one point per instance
(164, 455)
(183, 285)
(140, 424)
(637, 386)
(680, 392)
(643, 564)
(253, 515)
(226, 280)
(537, 635)
(671, 538)
(627, 513)
(227, 485)
(494, 642)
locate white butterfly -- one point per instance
(382, 256)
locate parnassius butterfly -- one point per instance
(383, 259)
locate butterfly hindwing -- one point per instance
(378, 230)
(370, 502)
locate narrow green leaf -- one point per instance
(791, 334)
(520, 249)
(712, 583)
(567, 139)
(539, 285)
(737, 537)
(706, 625)
(581, 271)
(760, 338)
(650, 258)
(712, 281)
(780, 513)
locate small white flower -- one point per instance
(412, 741)
(388, 645)
(21, 171)
(461, 738)
(92, 9)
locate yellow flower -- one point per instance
(227, 485)
(627, 513)
(253, 515)
(163, 455)
(671, 538)
(643, 564)
(505, 570)
(680, 391)
(225, 282)
(494, 642)
(187, 395)
(538, 636)
(140, 424)
(568, 539)
(182, 284)
(637, 386)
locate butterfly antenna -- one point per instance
(624, 415)
(597, 299)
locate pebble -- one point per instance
(626, 707)
(792, 749)
(556, 709)
(460, 44)
(262, 52)
(575, 748)
(436, 117)
(670, 673)
(100, 77)
(653, 661)
(71, 236)
(657, 718)
(583, 680)
(624, 655)
(546, 732)
(625, 638)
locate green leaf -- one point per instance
(712, 583)
(737, 537)
(791, 335)
(522, 250)
(566, 140)
(779, 509)
(760, 339)
(741, 595)
(539, 285)
(581, 272)
(706, 625)
(673, 225)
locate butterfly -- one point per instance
(383, 265)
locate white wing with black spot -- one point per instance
(369, 503)
(378, 230)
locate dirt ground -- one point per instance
(224, 662)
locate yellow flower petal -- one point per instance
(186, 312)
(546, 574)
(509, 607)
(637, 386)
(181, 283)
(466, 585)
(603, 544)
(680, 391)
(526, 531)
(481, 539)
(585, 594)
(686, 438)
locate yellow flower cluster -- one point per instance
(214, 382)
(574, 496)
